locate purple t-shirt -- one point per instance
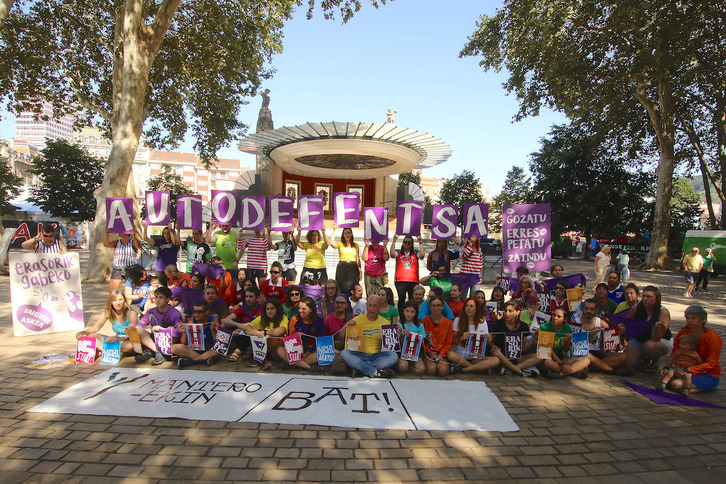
(168, 253)
(168, 319)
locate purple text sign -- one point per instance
(310, 212)
(120, 215)
(281, 213)
(526, 236)
(444, 221)
(252, 211)
(189, 212)
(408, 218)
(476, 220)
(347, 214)
(157, 207)
(224, 207)
(376, 223)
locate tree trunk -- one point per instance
(5, 7)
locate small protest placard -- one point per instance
(611, 339)
(293, 348)
(222, 340)
(133, 335)
(111, 353)
(163, 340)
(477, 345)
(579, 344)
(326, 350)
(594, 339)
(574, 298)
(538, 319)
(389, 338)
(86, 349)
(259, 348)
(513, 346)
(354, 337)
(195, 336)
(545, 342)
(491, 311)
(411, 347)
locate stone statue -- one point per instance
(389, 116)
(264, 119)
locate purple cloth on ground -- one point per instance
(633, 327)
(667, 398)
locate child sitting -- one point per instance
(679, 361)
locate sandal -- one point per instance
(235, 356)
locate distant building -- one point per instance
(18, 155)
(36, 131)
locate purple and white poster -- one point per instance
(224, 207)
(45, 290)
(389, 338)
(252, 212)
(189, 212)
(347, 213)
(259, 348)
(222, 340)
(310, 212)
(120, 215)
(476, 220)
(282, 211)
(408, 218)
(444, 221)
(513, 346)
(163, 339)
(376, 223)
(526, 237)
(157, 207)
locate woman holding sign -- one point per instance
(314, 272)
(271, 322)
(469, 323)
(167, 246)
(348, 271)
(120, 316)
(310, 326)
(440, 340)
(125, 253)
(406, 267)
(472, 260)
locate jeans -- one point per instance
(369, 363)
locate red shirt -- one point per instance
(245, 314)
(455, 307)
(407, 267)
(278, 291)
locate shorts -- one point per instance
(290, 275)
(690, 276)
(639, 346)
(256, 273)
(117, 274)
(705, 382)
(314, 276)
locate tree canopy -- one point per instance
(9, 188)
(68, 176)
(171, 182)
(515, 190)
(460, 189)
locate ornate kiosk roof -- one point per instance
(347, 149)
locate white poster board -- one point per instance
(45, 290)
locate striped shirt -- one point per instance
(54, 248)
(124, 255)
(257, 248)
(473, 261)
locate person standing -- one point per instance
(602, 262)
(348, 272)
(375, 256)
(45, 242)
(257, 247)
(225, 243)
(286, 255)
(406, 267)
(473, 261)
(705, 274)
(167, 246)
(125, 253)
(197, 250)
(692, 264)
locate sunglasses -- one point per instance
(274, 272)
(340, 302)
(294, 293)
(197, 311)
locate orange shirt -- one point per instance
(442, 336)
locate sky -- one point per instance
(404, 55)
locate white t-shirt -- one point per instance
(359, 307)
(602, 260)
(458, 346)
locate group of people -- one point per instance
(269, 304)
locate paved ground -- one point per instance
(595, 430)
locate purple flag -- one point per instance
(282, 210)
(187, 296)
(252, 212)
(347, 214)
(224, 207)
(633, 327)
(189, 212)
(389, 338)
(444, 221)
(157, 207)
(667, 398)
(310, 212)
(526, 236)
(212, 271)
(408, 218)
(571, 281)
(376, 223)
(120, 215)
(476, 220)
(466, 280)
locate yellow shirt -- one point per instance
(372, 342)
(314, 255)
(692, 262)
(257, 323)
(624, 305)
(347, 254)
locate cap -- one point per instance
(532, 299)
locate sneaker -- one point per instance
(584, 374)
(660, 387)
(158, 359)
(505, 371)
(385, 373)
(354, 373)
(317, 368)
(552, 375)
(145, 356)
(686, 392)
(456, 369)
(266, 365)
(527, 373)
(211, 361)
(685, 294)
(534, 371)
(253, 363)
(184, 362)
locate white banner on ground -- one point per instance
(289, 399)
(45, 290)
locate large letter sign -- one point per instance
(408, 218)
(120, 215)
(346, 210)
(444, 221)
(476, 220)
(376, 224)
(310, 212)
(281, 214)
(526, 236)
(157, 207)
(189, 212)
(253, 213)
(224, 207)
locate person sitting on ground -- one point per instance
(294, 295)
(455, 301)
(184, 297)
(222, 282)
(560, 365)
(438, 279)
(154, 283)
(630, 293)
(439, 340)
(532, 307)
(560, 297)
(526, 289)
(419, 292)
(236, 291)
(410, 324)
(175, 277)
(615, 288)
(371, 361)
(160, 317)
(243, 314)
(136, 288)
(118, 313)
(510, 323)
(309, 325)
(682, 357)
(274, 287)
(325, 306)
(203, 315)
(424, 309)
(593, 326)
(557, 271)
(470, 322)
(271, 322)
(651, 344)
(705, 376)
(217, 305)
(603, 302)
(388, 307)
(335, 321)
(357, 303)
(45, 242)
